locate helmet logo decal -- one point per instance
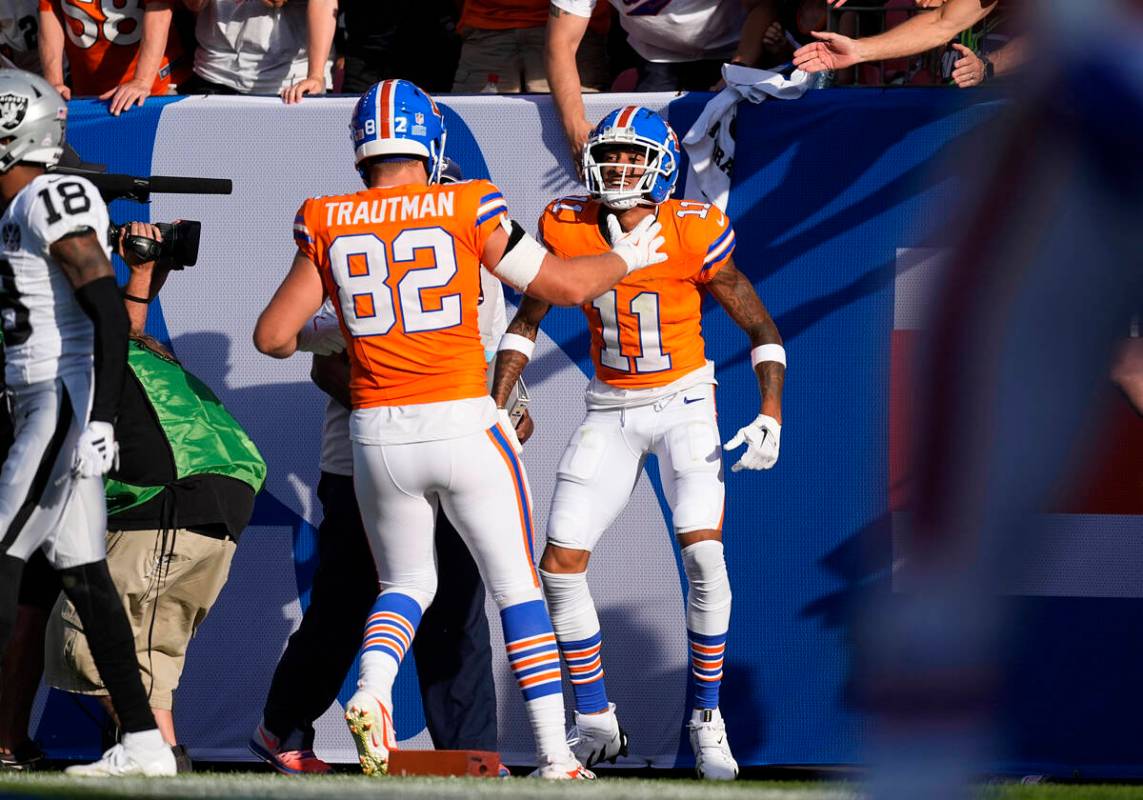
(13, 107)
(11, 236)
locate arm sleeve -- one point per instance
(548, 230)
(580, 8)
(715, 243)
(490, 207)
(100, 300)
(304, 236)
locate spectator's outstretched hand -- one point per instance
(969, 69)
(834, 51)
(930, 3)
(126, 95)
(63, 89)
(295, 93)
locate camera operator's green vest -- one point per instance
(203, 437)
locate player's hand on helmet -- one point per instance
(96, 452)
(761, 438)
(639, 247)
(510, 430)
(321, 336)
(294, 94)
(127, 94)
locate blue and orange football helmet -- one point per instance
(633, 126)
(397, 118)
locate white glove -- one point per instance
(510, 430)
(96, 452)
(321, 336)
(761, 439)
(638, 247)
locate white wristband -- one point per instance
(521, 344)
(767, 352)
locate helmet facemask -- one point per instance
(623, 184)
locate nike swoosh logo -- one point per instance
(689, 400)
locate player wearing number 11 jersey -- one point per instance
(653, 392)
(402, 262)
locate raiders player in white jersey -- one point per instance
(65, 346)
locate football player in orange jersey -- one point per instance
(402, 262)
(653, 392)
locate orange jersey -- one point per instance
(647, 331)
(505, 14)
(402, 265)
(101, 40)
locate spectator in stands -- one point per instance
(177, 502)
(19, 34)
(681, 47)
(973, 69)
(123, 57)
(916, 35)
(504, 48)
(415, 40)
(267, 47)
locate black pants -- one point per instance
(452, 648)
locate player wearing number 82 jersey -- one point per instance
(653, 392)
(401, 260)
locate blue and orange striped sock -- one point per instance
(707, 654)
(535, 660)
(389, 633)
(585, 671)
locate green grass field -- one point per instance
(277, 787)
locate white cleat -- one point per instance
(562, 768)
(121, 762)
(597, 737)
(371, 725)
(713, 759)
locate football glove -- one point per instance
(509, 429)
(761, 439)
(638, 247)
(96, 451)
(321, 335)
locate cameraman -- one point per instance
(177, 502)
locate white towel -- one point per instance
(710, 141)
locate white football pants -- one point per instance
(603, 460)
(484, 491)
(42, 505)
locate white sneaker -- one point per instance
(371, 724)
(562, 768)
(713, 759)
(119, 761)
(597, 737)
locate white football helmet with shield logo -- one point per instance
(33, 117)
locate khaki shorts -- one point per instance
(166, 600)
(516, 58)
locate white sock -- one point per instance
(547, 717)
(145, 741)
(376, 675)
(570, 605)
(708, 598)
